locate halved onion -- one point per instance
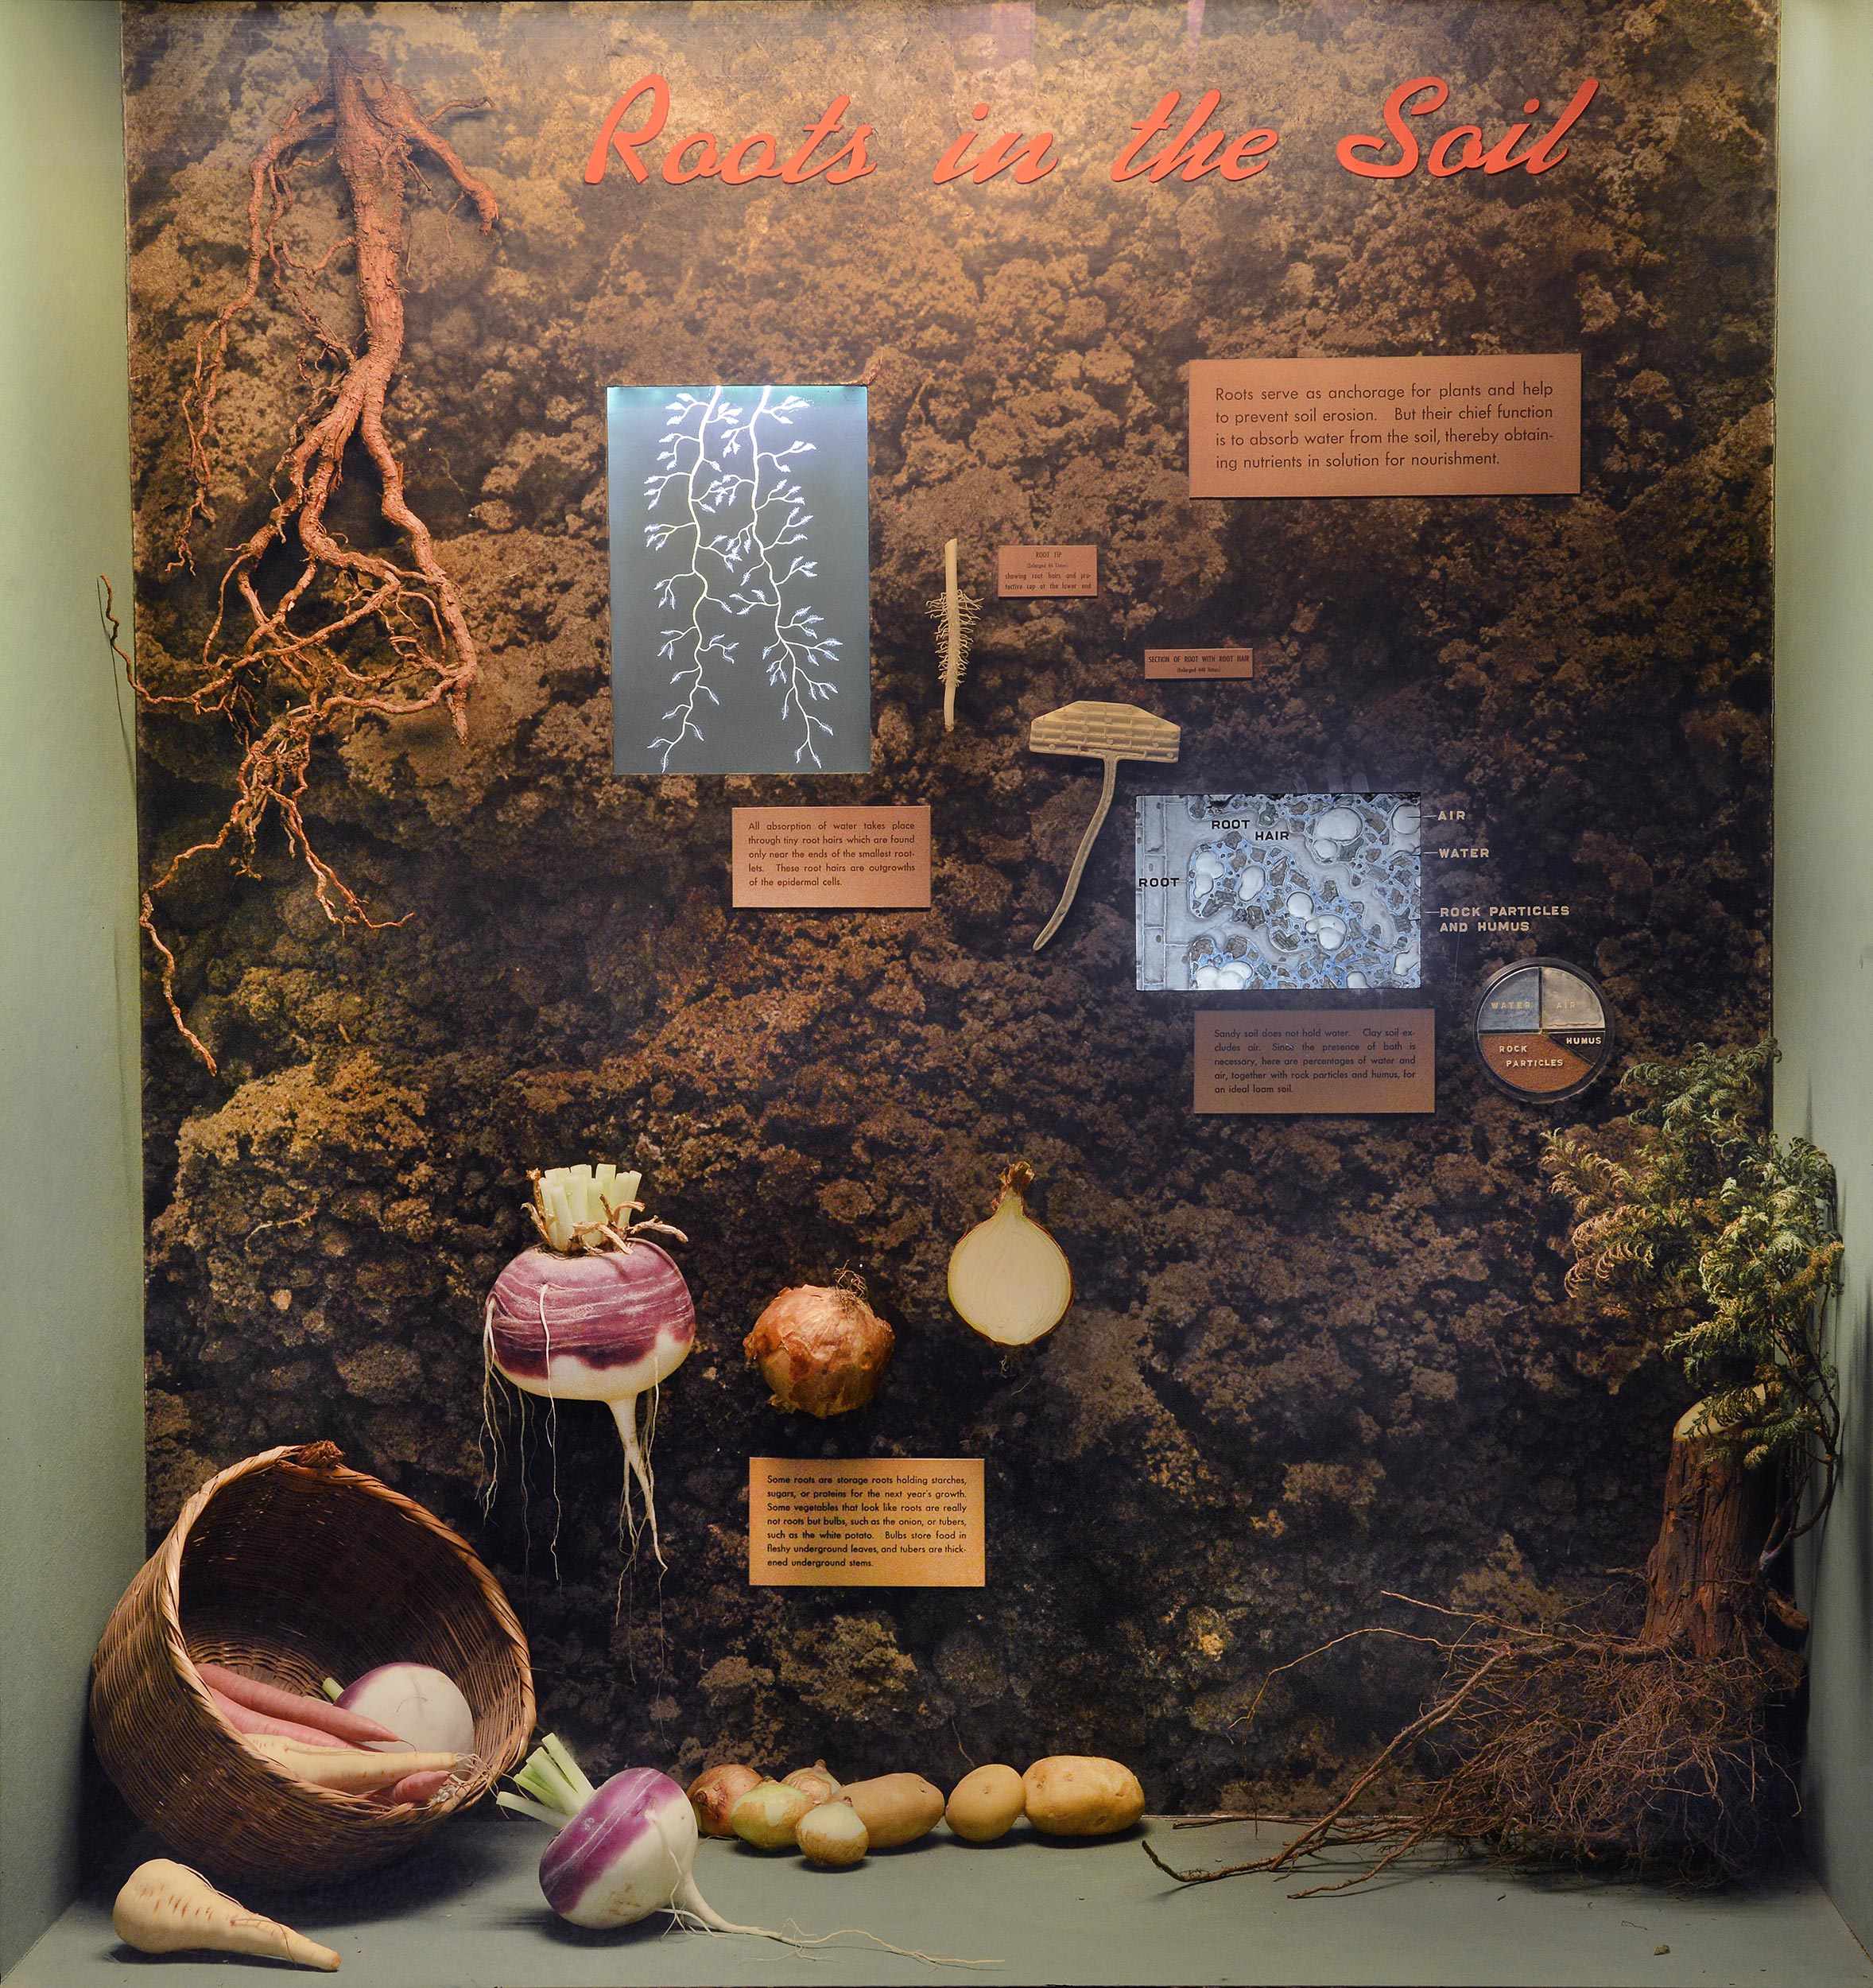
(1008, 1278)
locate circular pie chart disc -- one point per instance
(1543, 1030)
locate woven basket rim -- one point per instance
(327, 1457)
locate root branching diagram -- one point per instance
(726, 495)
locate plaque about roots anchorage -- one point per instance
(1107, 731)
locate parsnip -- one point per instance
(350, 1772)
(165, 1908)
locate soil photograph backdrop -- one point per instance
(1310, 1359)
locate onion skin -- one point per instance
(832, 1836)
(591, 1327)
(714, 1793)
(766, 1816)
(821, 1349)
(815, 1782)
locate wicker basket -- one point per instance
(293, 1565)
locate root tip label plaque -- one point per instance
(1047, 573)
(866, 1522)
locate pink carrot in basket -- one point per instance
(351, 1727)
(243, 1719)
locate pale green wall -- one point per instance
(71, 1297)
(1823, 841)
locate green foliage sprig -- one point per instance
(1695, 1221)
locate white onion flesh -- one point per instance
(1009, 1280)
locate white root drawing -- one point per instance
(795, 647)
(759, 567)
(673, 473)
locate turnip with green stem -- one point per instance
(627, 1850)
(594, 1312)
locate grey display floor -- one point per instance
(467, 1913)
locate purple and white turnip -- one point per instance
(620, 1852)
(595, 1312)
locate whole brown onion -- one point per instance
(821, 1348)
(715, 1791)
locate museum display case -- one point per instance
(1051, 777)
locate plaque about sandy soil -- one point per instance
(1309, 1060)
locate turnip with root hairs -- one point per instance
(621, 1852)
(165, 1908)
(594, 1313)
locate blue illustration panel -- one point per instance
(741, 592)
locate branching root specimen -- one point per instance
(1565, 1747)
(289, 674)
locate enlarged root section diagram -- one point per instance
(348, 633)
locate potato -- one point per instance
(714, 1793)
(766, 1816)
(815, 1781)
(895, 1808)
(986, 1804)
(1079, 1794)
(832, 1835)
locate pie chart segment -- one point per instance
(1542, 1029)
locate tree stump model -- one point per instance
(1657, 1746)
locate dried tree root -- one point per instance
(282, 685)
(1564, 1749)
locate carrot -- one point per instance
(350, 1772)
(165, 1908)
(243, 1720)
(352, 1727)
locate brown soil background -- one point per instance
(1309, 1360)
